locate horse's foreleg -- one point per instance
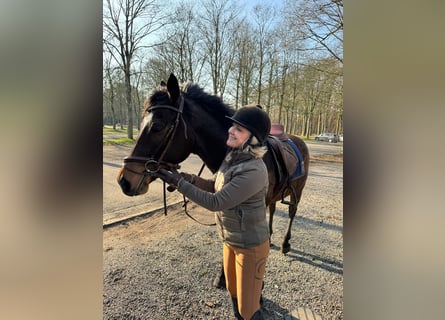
(271, 213)
(285, 247)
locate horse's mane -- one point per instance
(210, 103)
(158, 96)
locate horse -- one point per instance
(178, 121)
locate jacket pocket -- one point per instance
(240, 216)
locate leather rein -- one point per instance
(151, 165)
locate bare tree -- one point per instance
(284, 69)
(245, 63)
(272, 65)
(292, 110)
(158, 67)
(292, 66)
(137, 94)
(320, 21)
(320, 94)
(218, 22)
(127, 25)
(329, 105)
(183, 40)
(109, 94)
(264, 17)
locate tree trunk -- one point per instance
(113, 112)
(305, 123)
(269, 91)
(238, 85)
(129, 109)
(122, 116)
(260, 79)
(283, 85)
(308, 125)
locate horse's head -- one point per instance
(162, 140)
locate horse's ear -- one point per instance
(163, 84)
(173, 87)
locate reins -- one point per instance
(186, 201)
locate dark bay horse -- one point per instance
(177, 122)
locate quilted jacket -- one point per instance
(238, 198)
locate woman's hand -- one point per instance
(171, 177)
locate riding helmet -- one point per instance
(253, 118)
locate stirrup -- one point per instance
(288, 203)
(293, 192)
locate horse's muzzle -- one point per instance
(133, 187)
(125, 185)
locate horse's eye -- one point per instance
(157, 126)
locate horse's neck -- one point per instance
(210, 145)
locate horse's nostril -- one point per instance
(120, 175)
(124, 184)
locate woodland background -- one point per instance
(286, 55)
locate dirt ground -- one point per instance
(162, 267)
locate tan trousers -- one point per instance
(244, 269)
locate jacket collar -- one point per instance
(236, 156)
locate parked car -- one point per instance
(329, 137)
(340, 137)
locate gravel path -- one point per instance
(162, 267)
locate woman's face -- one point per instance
(237, 136)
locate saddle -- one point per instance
(288, 161)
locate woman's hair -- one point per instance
(254, 148)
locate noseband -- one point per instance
(151, 165)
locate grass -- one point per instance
(328, 157)
(109, 130)
(119, 141)
(117, 136)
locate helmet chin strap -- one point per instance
(247, 142)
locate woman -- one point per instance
(238, 196)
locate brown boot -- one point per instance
(257, 315)
(235, 309)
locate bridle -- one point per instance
(152, 165)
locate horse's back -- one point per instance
(278, 184)
(302, 147)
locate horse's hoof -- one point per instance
(285, 248)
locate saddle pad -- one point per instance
(299, 171)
